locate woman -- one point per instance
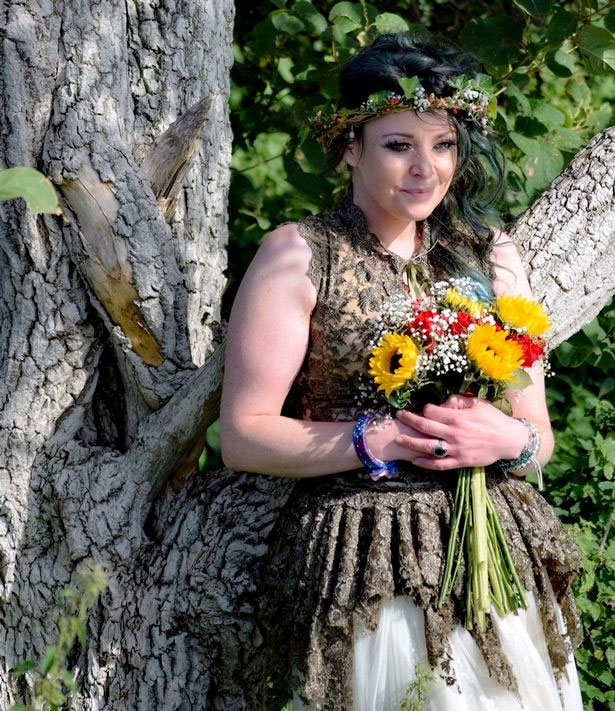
(350, 596)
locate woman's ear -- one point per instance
(351, 154)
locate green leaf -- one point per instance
(560, 63)
(521, 379)
(562, 25)
(519, 97)
(609, 20)
(409, 85)
(529, 146)
(284, 22)
(535, 8)
(579, 91)
(575, 350)
(32, 186)
(547, 114)
(67, 679)
(541, 168)
(496, 41)
(388, 22)
(567, 140)
(346, 16)
(379, 97)
(51, 658)
(598, 47)
(23, 667)
(316, 23)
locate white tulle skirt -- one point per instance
(385, 662)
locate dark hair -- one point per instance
(462, 213)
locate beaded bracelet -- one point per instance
(528, 453)
(375, 468)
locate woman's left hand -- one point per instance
(472, 431)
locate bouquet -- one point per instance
(458, 340)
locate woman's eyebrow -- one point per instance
(448, 132)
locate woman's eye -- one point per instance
(398, 146)
(446, 145)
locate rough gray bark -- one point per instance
(109, 365)
(567, 239)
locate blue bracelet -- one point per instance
(375, 468)
(528, 454)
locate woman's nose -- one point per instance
(422, 165)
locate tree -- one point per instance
(110, 355)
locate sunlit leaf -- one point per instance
(32, 186)
(388, 22)
(286, 23)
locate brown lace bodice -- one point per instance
(355, 278)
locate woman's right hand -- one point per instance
(382, 439)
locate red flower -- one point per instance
(532, 350)
(461, 324)
(394, 100)
(423, 321)
(424, 327)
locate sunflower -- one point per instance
(393, 362)
(459, 301)
(496, 355)
(519, 312)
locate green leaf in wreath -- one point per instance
(409, 86)
(32, 186)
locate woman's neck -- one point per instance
(398, 236)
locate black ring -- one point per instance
(440, 449)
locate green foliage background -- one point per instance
(553, 67)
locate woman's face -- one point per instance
(403, 166)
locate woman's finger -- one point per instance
(428, 427)
(426, 446)
(460, 402)
(438, 465)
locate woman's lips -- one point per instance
(418, 192)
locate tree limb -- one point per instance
(567, 239)
(167, 165)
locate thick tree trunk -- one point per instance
(109, 358)
(106, 318)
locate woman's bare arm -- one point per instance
(267, 341)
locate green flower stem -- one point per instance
(479, 532)
(497, 593)
(458, 508)
(491, 577)
(507, 557)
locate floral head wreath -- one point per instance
(472, 97)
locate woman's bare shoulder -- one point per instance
(510, 276)
(282, 261)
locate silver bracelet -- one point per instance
(528, 453)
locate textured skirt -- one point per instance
(343, 546)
